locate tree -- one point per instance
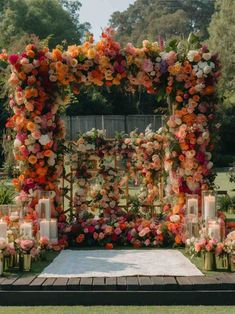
(222, 30)
(40, 17)
(172, 18)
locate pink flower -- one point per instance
(117, 231)
(13, 59)
(34, 252)
(44, 241)
(147, 65)
(26, 245)
(3, 243)
(197, 247)
(144, 232)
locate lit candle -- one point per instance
(3, 229)
(26, 229)
(14, 216)
(53, 230)
(45, 228)
(44, 208)
(214, 231)
(192, 209)
(209, 207)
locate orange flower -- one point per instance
(181, 157)
(169, 89)
(32, 159)
(109, 246)
(178, 239)
(80, 238)
(196, 98)
(179, 98)
(31, 126)
(57, 54)
(209, 90)
(48, 153)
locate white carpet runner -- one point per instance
(117, 263)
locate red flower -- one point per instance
(13, 59)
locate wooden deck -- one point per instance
(31, 290)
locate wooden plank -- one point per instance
(48, 283)
(23, 283)
(7, 283)
(73, 284)
(98, 283)
(132, 283)
(60, 284)
(157, 282)
(170, 283)
(86, 284)
(110, 283)
(36, 284)
(121, 283)
(226, 281)
(145, 283)
(205, 283)
(184, 283)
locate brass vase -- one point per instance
(232, 262)
(1, 264)
(6, 263)
(209, 261)
(26, 262)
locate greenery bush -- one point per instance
(7, 194)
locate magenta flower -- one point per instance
(13, 59)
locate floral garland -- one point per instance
(39, 80)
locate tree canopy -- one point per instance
(59, 18)
(222, 30)
(172, 18)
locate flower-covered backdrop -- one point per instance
(41, 81)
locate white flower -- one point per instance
(191, 54)
(206, 56)
(17, 143)
(44, 139)
(112, 204)
(175, 218)
(51, 161)
(209, 165)
(199, 74)
(207, 69)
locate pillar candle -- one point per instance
(192, 205)
(53, 230)
(26, 229)
(45, 228)
(44, 207)
(209, 207)
(214, 231)
(3, 229)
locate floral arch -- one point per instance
(41, 81)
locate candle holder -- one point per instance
(191, 227)
(213, 229)
(209, 199)
(26, 229)
(44, 205)
(192, 207)
(15, 213)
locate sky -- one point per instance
(98, 12)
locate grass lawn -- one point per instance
(120, 310)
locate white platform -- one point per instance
(117, 263)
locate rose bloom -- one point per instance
(44, 241)
(3, 243)
(26, 245)
(197, 247)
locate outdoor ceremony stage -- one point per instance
(134, 290)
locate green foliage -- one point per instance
(226, 202)
(222, 30)
(7, 195)
(169, 19)
(40, 17)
